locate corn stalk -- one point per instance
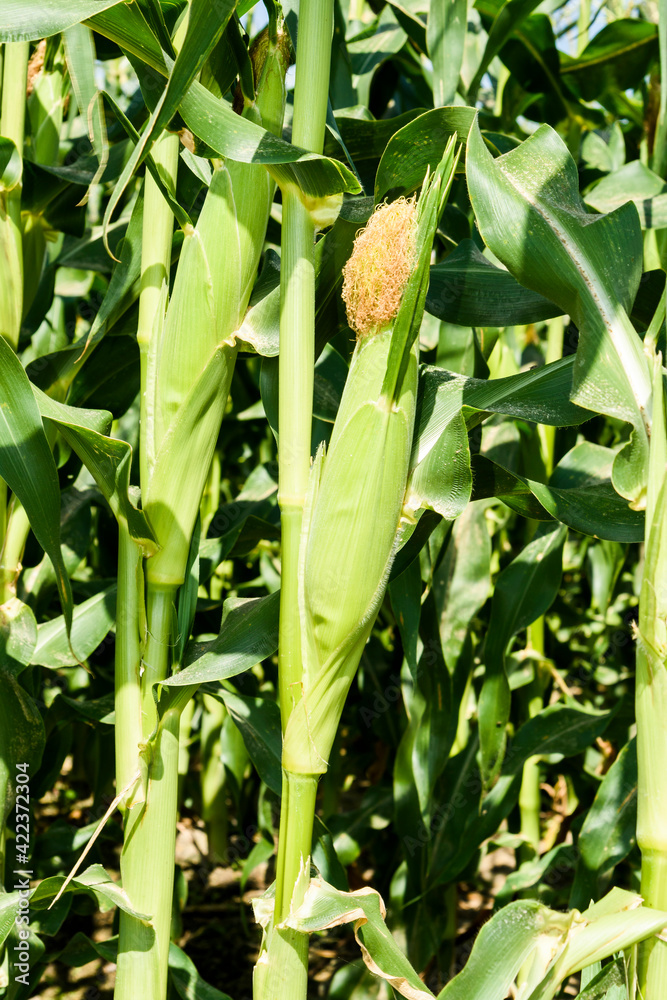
(350, 520)
(188, 355)
(283, 971)
(651, 693)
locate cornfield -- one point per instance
(333, 500)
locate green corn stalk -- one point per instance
(351, 523)
(651, 697)
(188, 356)
(213, 784)
(141, 961)
(659, 158)
(289, 953)
(529, 796)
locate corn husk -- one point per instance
(11, 262)
(46, 74)
(355, 501)
(192, 358)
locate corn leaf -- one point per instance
(10, 164)
(25, 21)
(91, 623)
(608, 984)
(187, 982)
(509, 17)
(248, 634)
(559, 729)
(258, 721)
(123, 289)
(540, 394)
(590, 505)
(80, 53)
(467, 289)
(22, 737)
(227, 134)
(524, 590)
(500, 949)
(94, 882)
(613, 925)
(18, 635)
(107, 459)
(442, 481)
(609, 830)
(369, 51)
(128, 28)
(206, 23)
(223, 132)
(636, 183)
(614, 60)
(445, 36)
(324, 907)
(462, 580)
(418, 146)
(364, 137)
(27, 465)
(531, 216)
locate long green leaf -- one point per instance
(24, 20)
(107, 459)
(636, 183)
(530, 214)
(258, 721)
(224, 133)
(228, 134)
(94, 882)
(614, 60)
(27, 465)
(91, 622)
(417, 146)
(80, 52)
(540, 394)
(187, 982)
(22, 738)
(609, 830)
(445, 35)
(591, 505)
(206, 23)
(467, 289)
(524, 590)
(509, 17)
(501, 948)
(248, 634)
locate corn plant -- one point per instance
(332, 454)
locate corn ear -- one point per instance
(11, 264)
(356, 492)
(352, 534)
(14, 69)
(349, 547)
(192, 357)
(46, 72)
(180, 470)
